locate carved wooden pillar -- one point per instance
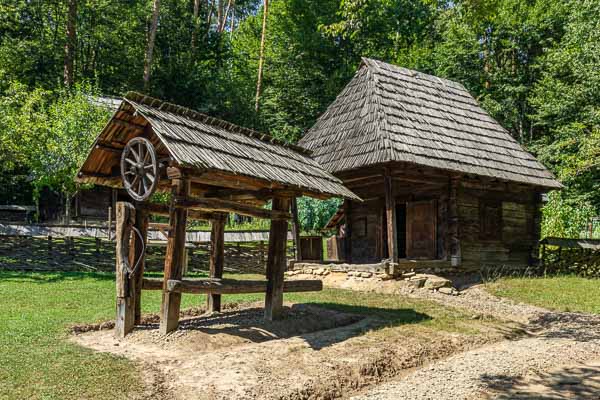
(390, 212)
(125, 219)
(276, 261)
(174, 258)
(217, 258)
(453, 223)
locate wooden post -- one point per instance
(276, 261)
(110, 223)
(390, 212)
(137, 255)
(217, 258)
(348, 233)
(171, 302)
(296, 230)
(453, 231)
(125, 285)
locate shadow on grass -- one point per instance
(318, 324)
(575, 382)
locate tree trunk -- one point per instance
(68, 73)
(223, 20)
(261, 59)
(150, 48)
(196, 24)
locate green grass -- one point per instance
(560, 293)
(38, 362)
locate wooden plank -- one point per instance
(217, 205)
(296, 229)
(217, 258)
(421, 229)
(174, 258)
(229, 286)
(125, 285)
(453, 222)
(276, 261)
(164, 210)
(137, 255)
(390, 211)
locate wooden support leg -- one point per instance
(296, 230)
(217, 258)
(125, 285)
(390, 212)
(276, 262)
(174, 258)
(137, 255)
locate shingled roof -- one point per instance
(197, 141)
(388, 113)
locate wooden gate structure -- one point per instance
(211, 168)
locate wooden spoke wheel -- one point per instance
(139, 168)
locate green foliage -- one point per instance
(533, 65)
(564, 216)
(313, 214)
(50, 132)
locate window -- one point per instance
(490, 222)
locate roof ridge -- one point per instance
(375, 62)
(198, 116)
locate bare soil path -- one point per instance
(555, 360)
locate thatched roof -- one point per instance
(202, 143)
(387, 113)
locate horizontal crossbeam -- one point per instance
(228, 286)
(217, 205)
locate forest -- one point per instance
(275, 65)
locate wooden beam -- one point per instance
(217, 258)
(125, 284)
(163, 210)
(216, 205)
(137, 256)
(348, 231)
(453, 231)
(390, 211)
(174, 259)
(276, 261)
(296, 229)
(128, 124)
(228, 286)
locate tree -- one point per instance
(150, 46)
(261, 57)
(71, 42)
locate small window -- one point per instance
(490, 225)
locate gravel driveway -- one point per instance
(498, 371)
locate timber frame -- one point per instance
(211, 168)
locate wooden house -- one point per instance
(442, 182)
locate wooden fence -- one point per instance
(47, 253)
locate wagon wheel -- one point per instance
(139, 168)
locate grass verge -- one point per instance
(560, 293)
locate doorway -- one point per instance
(401, 229)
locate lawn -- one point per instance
(38, 362)
(560, 293)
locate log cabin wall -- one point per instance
(498, 223)
(499, 226)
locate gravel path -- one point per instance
(554, 339)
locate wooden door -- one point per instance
(421, 229)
